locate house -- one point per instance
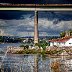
(65, 41)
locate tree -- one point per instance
(62, 34)
(1, 39)
(70, 32)
(43, 44)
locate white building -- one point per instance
(65, 41)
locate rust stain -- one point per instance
(37, 5)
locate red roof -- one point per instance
(64, 39)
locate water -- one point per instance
(3, 47)
(31, 63)
(26, 63)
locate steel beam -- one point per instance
(38, 9)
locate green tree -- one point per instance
(62, 34)
(70, 32)
(43, 44)
(1, 39)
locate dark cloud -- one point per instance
(56, 15)
(17, 22)
(8, 15)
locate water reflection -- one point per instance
(35, 63)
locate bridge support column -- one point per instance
(36, 27)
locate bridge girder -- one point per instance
(37, 9)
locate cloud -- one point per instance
(49, 27)
(3, 33)
(21, 34)
(22, 27)
(16, 27)
(49, 23)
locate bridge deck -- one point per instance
(38, 7)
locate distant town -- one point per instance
(5, 38)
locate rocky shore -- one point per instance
(54, 50)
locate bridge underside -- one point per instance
(37, 9)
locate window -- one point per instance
(70, 43)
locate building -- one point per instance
(65, 41)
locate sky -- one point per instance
(21, 23)
(37, 1)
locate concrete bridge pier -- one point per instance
(36, 27)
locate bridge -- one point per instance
(36, 8)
